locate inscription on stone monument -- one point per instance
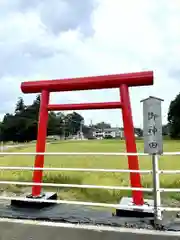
(152, 125)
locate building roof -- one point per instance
(151, 97)
(109, 129)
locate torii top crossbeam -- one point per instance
(89, 83)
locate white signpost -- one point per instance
(153, 143)
(152, 125)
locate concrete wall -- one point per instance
(21, 230)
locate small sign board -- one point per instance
(152, 125)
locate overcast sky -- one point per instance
(42, 39)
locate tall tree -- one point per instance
(55, 124)
(23, 124)
(174, 117)
(10, 127)
(20, 106)
(72, 123)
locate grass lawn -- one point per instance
(116, 179)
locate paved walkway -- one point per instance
(6, 147)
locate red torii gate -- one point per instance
(121, 81)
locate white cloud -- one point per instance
(57, 39)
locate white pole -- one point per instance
(81, 130)
(156, 188)
(1, 146)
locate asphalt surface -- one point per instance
(22, 231)
(73, 214)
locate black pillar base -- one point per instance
(136, 213)
(38, 205)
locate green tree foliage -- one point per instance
(20, 106)
(165, 130)
(138, 131)
(174, 118)
(102, 125)
(73, 122)
(23, 124)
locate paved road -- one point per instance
(22, 231)
(6, 147)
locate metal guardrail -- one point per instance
(86, 153)
(155, 171)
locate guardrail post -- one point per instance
(156, 187)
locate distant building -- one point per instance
(108, 133)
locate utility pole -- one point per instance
(91, 123)
(64, 128)
(81, 127)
